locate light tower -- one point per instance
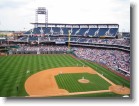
(41, 11)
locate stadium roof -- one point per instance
(72, 24)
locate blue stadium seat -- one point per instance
(113, 31)
(33, 38)
(102, 31)
(82, 31)
(74, 31)
(92, 31)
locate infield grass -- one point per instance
(71, 84)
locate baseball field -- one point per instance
(57, 75)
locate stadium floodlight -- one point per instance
(42, 11)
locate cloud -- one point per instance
(8, 4)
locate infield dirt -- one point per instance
(43, 84)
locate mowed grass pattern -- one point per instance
(71, 84)
(13, 70)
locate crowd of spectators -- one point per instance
(114, 59)
(121, 42)
(42, 48)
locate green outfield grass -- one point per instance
(13, 70)
(71, 84)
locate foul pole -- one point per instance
(69, 39)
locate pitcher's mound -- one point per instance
(83, 81)
(119, 89)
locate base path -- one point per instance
(43, 83)
(118, 89)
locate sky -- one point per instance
(18, 14)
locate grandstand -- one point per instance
(87, 30)
(98, 43)
(94, 37)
